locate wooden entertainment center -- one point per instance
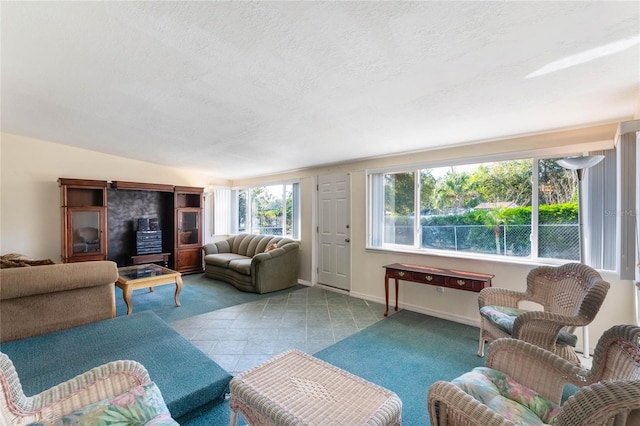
(99, 222)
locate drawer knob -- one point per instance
(429, 278)
(401, 273)
(461, 282)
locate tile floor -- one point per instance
(241, 337)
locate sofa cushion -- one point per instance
(513, 401)
(242, 266)
(251, 244)
(503, 317)
(223, 259)
(141, 405)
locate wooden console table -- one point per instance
(461, 280)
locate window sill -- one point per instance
(469, 256)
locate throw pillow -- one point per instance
(141, 405)
(270, 247)
(14, 260)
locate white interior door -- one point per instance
(334, 233)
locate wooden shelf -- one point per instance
(118, 184)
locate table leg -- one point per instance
(179, 285)
(386, 293)
(397, 295)
(126, 295)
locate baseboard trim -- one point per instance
(421, 310)
(334, 289)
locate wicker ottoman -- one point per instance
(294, 388)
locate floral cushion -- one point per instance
(508, 398)
(141, 405)
(503, 317)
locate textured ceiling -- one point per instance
(242, 89)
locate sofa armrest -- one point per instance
(450, 405)
(500, 297)
(286, 250)
(99, 383)
(270, 269)
(534, 367)
(609, 402)
(35, 280)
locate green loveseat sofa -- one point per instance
(253, 263)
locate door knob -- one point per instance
(347, 240)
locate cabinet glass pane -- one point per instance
(85, 227)
(189, 227)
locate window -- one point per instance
(524, 208)
(269, 210)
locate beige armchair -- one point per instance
(571, 296)
(90, 389)
(532, 381)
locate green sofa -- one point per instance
(253, 263)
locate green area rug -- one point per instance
(199, 295)
(186, 377)
(405, 353)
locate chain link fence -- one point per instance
(558, 241)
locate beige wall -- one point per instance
(30, 220)
(30, 214)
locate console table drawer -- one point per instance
(429, 278)
(465, 284)
(403, 275)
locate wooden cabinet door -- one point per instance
(189, 260)
(84, 219)
(188, 203)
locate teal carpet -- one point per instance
(186, 377)
(199, 295)
(405, 353)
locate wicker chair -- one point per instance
(48, 407)
(571, 296)
(608, 394)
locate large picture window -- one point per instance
(269, 210)
(524, 208)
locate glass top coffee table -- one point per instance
(146, 276)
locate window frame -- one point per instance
(249, 217)
(375, 178)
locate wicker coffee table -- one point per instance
(294, 388)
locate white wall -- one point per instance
(30, 214)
